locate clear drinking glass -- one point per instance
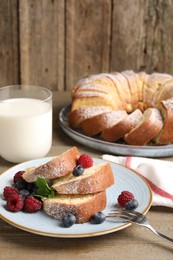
(25, 122)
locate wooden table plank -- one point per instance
(87, 38)
(9, 45)
(42, 32)
(141, 35)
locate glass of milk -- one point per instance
(25, 122)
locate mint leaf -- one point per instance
(43, 188)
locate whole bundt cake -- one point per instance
(135, 107)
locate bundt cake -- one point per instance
(144, 100)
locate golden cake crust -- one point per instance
(59, 166)
(94, 179)
(82, 206)
(122, 127)
(165, 136)
(147, 128)
(97, 124)
(126, 91)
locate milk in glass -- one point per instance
(25, 129)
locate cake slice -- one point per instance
(59, 166)
(82, 206)
(147, 128)
(77, 116)
(94, 179)
(97, 124)
(165, 136)
(123, 126)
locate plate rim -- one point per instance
(69, 235)
(152, 148)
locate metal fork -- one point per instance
(136, 218)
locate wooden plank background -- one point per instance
(54, 43)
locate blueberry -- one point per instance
(31, 187)
(69, 220)
(98, 218)
(132, 204)
(24, 193)
(20, 185)
(78, 170)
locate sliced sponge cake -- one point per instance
(82, 206)
(59, 166)
(94, 179)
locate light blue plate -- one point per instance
(42, 224)
(119, 148)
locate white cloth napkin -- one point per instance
(158, 174)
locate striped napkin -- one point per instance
(158, 174)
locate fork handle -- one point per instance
(159, 234)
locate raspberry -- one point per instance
(125, 197)
(85, 160)
(18, 176)
(32, 205)
(14, 203)
(9, 191)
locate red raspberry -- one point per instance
(32, 205)
(125, 197)
(9, 191)
(14, 203)
(18, 176)
(85, 160)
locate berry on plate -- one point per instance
(69, 220)
(18, 176)
(78, 170)
(132, 204)
(125, 197)
(32, 205)
(20, 184)
(98, 218)
(9, 191)
(15, 203)
(24, 193)
(85, 160)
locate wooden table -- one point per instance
(131, 243)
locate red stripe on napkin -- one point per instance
(128, 161)
(157, 190)
(154, 188)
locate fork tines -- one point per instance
(129, 215)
